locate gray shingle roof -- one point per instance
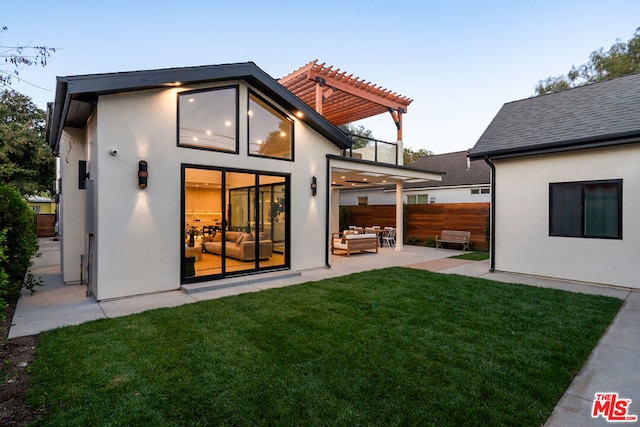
(454, 165)
(605, 111)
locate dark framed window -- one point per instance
(589, 209)
(208, 119)
(270, 131)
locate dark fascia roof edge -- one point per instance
(389, 165)
(89, 87)
(621, 138)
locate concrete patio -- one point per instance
(614, 365)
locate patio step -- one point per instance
(191, 288)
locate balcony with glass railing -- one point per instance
(375, 150)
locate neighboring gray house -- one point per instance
(566, 180)
(463, 181)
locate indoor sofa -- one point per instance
(239, 245)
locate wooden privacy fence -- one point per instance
(426, 221)
(45, 225)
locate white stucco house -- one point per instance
(463, 181)
(185, 176)
(565, 183)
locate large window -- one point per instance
(270, 131)
(208, 119)
(235, 222)
(586, 209)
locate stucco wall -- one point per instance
(72, 204)
(442, 195)
(523, 243)
(140, 231)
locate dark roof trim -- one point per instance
(87, 88)
(386, 165)
(561, 146)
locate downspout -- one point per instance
(492, 220)
(327, 214)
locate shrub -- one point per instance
(17, 222)
(4, 277)
(411, 240)
(345, 218)
(430, 242)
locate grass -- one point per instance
(473, 256)
(386, 347)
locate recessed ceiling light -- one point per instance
(299, 114)
(343, 177)
(191, 100)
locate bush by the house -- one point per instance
(411, 240)
(18, 225)
(4, 277)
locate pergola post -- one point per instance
(399, 218)
(319, 97)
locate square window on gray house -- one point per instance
(586, 209)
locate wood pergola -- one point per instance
(342, 98)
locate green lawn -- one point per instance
(473, 256)
(386, 347)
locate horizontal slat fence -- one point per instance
(45, 225)
(427, 221)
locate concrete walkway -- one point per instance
(613, 366)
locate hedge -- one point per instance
(19, 245)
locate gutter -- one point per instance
(327, 215)
(599, 141)
(492, 216)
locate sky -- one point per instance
(459, 61)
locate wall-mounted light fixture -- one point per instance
(143, 174)
(314, 186)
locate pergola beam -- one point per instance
(342, 98)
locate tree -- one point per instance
(360, 136)
(19, 56)
(621, 59)
(411, 155)
(26, 162)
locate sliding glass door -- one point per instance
(235, 222)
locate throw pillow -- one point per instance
(240, 239)
(217, 237)
(249, 238)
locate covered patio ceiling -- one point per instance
(343, 98)
(348, 173)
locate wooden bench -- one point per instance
(354, 243)
(452, 236)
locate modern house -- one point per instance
(463, 181)
(179, 176)
(565, 183)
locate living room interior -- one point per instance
(240, 229)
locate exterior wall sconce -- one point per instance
(143, 174)
(314, 186)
